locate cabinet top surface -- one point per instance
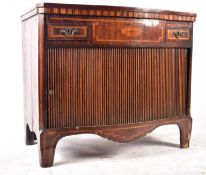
(108, 11)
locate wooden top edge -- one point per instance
(55, 8)
(107, 7)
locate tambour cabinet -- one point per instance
(117, 72)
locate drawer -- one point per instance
(73, 31)
(128, 32)
(178, 32)
(68, 31)
(104, 31)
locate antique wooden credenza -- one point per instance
(117, 72)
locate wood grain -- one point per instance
(95, 86)
(120, 133)
(128, 31)
(118, 32)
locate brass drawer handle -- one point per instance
(178, 34)
(69, 31)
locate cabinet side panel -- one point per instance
(42, 73)
(30, 71)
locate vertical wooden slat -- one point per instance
(109, 86)
(180, 80)
(142, 84)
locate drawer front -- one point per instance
(178, 32)
(75, 31)
(68, 31)
(128, 31)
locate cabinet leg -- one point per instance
(47, 145)
(29, 136)
(185, 127)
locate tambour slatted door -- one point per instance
(110, 86)
(117, 72)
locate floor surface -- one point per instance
(156, 153)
